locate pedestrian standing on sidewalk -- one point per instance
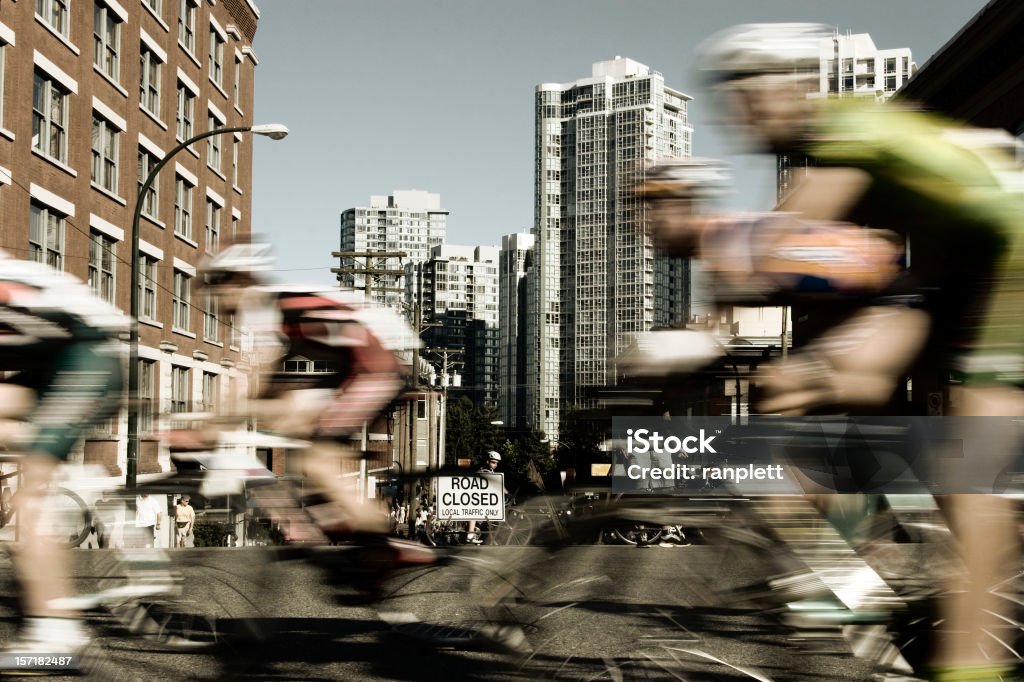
(149, 513)
(184, 520)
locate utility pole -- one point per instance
(441, 453)
(374, 264)
(416, 318)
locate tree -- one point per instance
(579, 443)
(526, 460)
(469, 433)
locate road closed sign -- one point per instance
(473, 497)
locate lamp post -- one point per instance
(274, 131)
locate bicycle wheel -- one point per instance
(442, 532)
(516, 529)
(636, 533)
(187, 599)
(66, 519)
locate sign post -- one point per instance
(473, 497)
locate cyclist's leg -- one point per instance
(975, 617)
(80, 388)
(322, 463)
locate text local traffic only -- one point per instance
(476, 497)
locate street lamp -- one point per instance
(275, 131)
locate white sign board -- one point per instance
(473, 497)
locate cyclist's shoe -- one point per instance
(505, 636)
(780, 591)
(379, 556)
(973, 673)
(473, 539)
(390, 554)
(50, 637)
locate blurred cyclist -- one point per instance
(61, 343)
(354, 343)
(957, 308)
(493, 460)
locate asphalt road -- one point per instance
(600, 612)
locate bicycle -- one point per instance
(515, 529)
(67, 519)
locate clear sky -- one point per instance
(438, 95)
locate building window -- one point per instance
(49, 118)
(186, 112)
(46, 237)
(101, 265)
(150, 202)
(182, 207)
(149, 81)
(216, 58)
(153, 5)
(235, 334)
(104, 154)
(238, 83)
(234, 162)
(211, 325)
(55, 14)
(3, 54)
(106, 41)
(301, 365)
(181, 388)
(212, 225)
(213, 144)
(209, 392)
(147, 286)
(187, 25)
(180, 302)
(234, 228)
(147, 393)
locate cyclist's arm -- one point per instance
(361, 398)
(826, 193)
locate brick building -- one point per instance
(79, 130)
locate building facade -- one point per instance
(515, 258)
(456, 293)
(595, 268)
(409, 222)
(80, 129)
(851, 66)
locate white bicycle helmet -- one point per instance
(491, 454)
(250, 258)
(751, 49)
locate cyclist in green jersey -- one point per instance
(951, 191)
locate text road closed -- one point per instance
(475, 497)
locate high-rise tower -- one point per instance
(595, 276)
(410, 222)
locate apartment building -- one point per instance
(514, 260)
(93, 93)
(850, 65)
(410, 222)
(595, 270)
(456, 290)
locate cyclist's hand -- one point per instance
(857, 364)
(663, 353)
